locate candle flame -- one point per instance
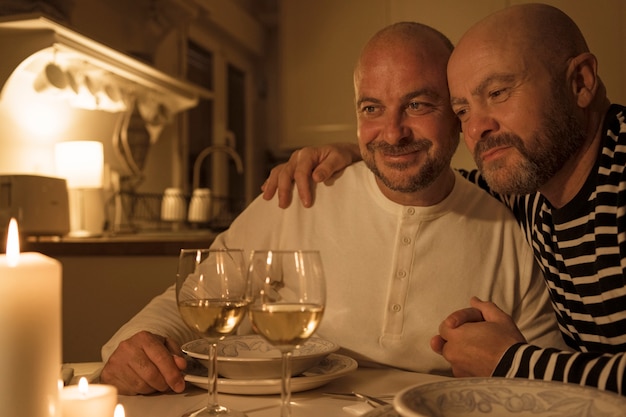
(83, 385)
(119, 411)
(13, 244)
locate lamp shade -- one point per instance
(80, 163)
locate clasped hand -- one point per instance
(474, 339)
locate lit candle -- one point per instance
(30, 331)
(119, 411)
(88, 400)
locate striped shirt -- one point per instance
(581, 248)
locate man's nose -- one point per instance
(480, 124)
(395, 129)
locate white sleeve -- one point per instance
(159, 316)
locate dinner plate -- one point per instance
(330, 368)
(503, 397)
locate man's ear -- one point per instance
(582, 74)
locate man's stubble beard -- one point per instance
(562, 137)
(429, 171)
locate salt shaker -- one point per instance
(200, 206)
(174, 205)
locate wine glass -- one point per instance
(287, 295)
(211, 297)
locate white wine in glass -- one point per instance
(211, 294)
(287, 298)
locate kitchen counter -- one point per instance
(131, 244)
(108, 279)
(125, 270)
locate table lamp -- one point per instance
(81, 164)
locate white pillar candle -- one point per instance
(88, 400)
(30, 331)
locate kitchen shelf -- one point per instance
(30, 43)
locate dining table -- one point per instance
(381, 383)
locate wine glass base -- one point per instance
(217, 411)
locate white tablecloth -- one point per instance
(377, 382)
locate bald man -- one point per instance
(536, 117)
(550, 145)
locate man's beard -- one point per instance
(429, 170)
(560, 137)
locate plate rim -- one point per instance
(594, 393)
(332, 349)
(272, 386)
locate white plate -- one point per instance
(252, 357)
(330, 368)
(503, 397)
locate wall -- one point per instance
(101, 293)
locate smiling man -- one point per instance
(405, 126)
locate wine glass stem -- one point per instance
(285, 386)
(212, 403)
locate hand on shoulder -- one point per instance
(307, 165)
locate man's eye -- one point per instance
(460, 113)
(499, 94)
(420, 105)
(368, 109)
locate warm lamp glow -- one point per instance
(24, 105)
(13, 244)
(80, 163)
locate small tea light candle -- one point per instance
(119, 411)
(95, 400)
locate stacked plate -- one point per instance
(250, 365)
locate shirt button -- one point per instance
(396, 307)
(411, 211)
(401, 273)
(406, 240)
